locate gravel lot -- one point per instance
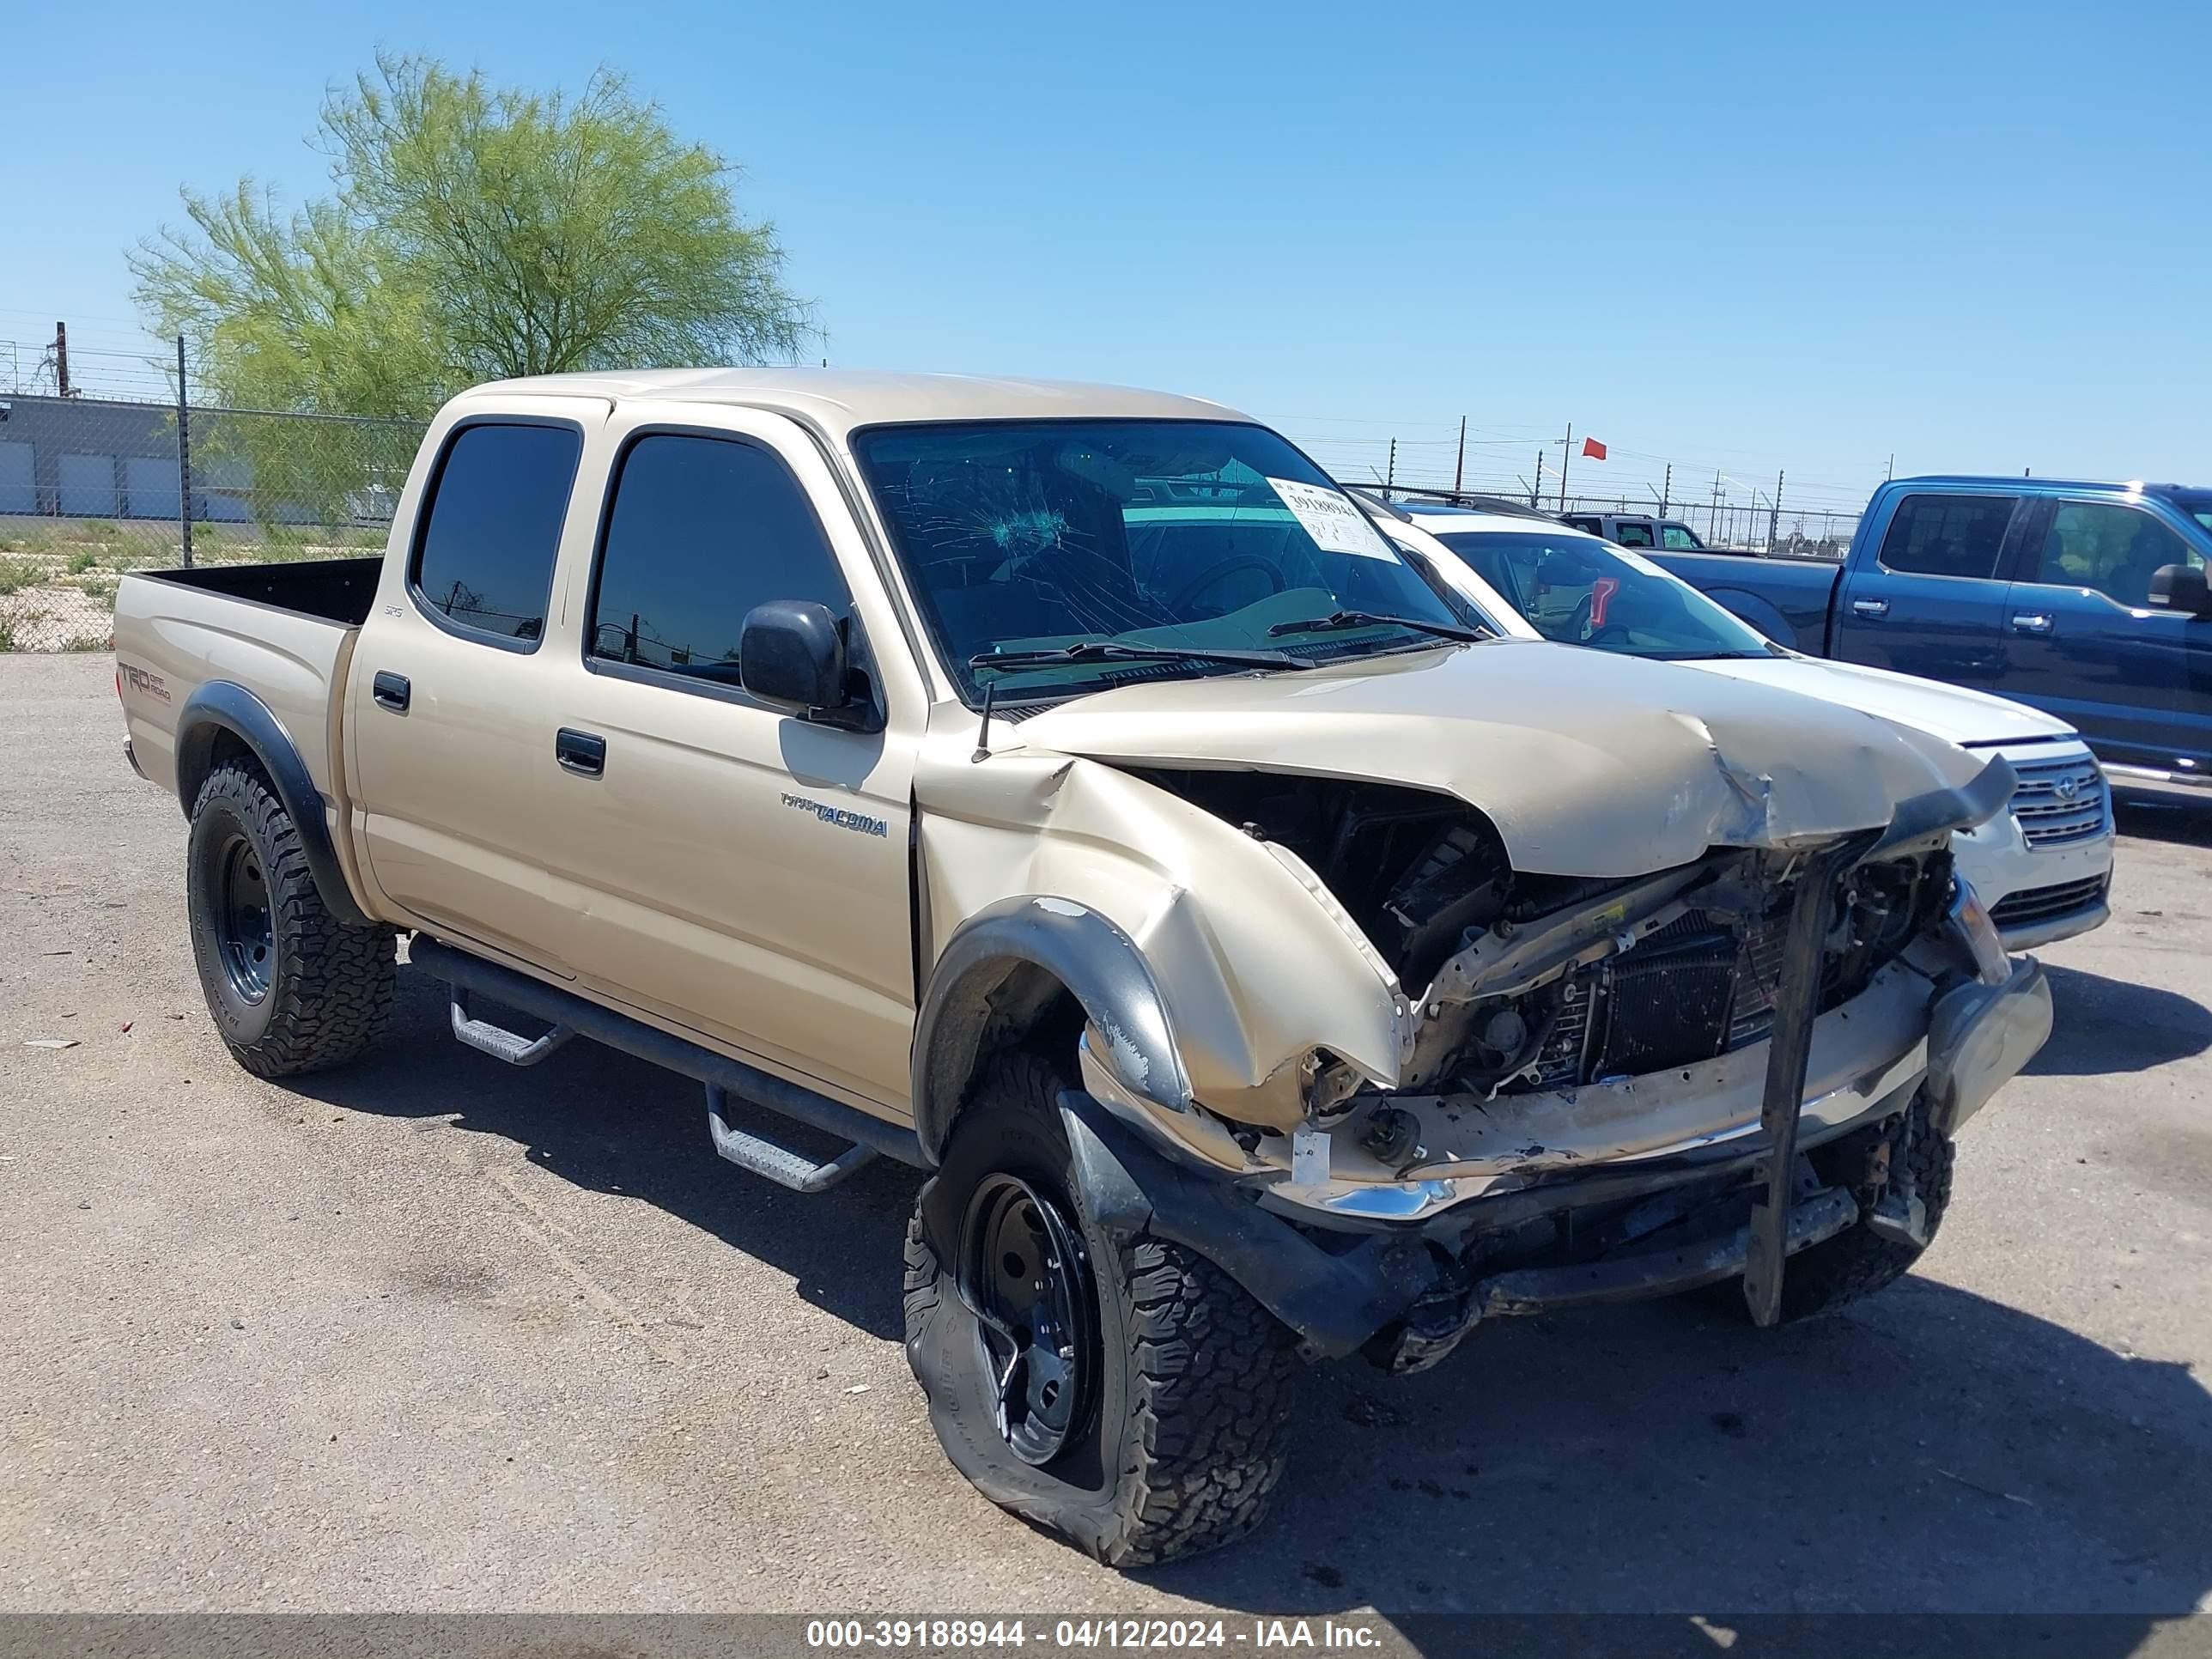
(432, 1333)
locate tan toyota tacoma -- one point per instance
(1068, 792)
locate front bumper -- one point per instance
(1676, 1213)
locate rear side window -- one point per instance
(483, 560)
(1948, 535)
(702, 530)
(1632, 534)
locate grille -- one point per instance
(2060, 801)
(2043, 903)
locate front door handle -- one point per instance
(584, 753)
(391, 691)
(2031, 622)
(1870, 607)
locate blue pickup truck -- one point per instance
(2087, 600)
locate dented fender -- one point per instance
(1230, 958)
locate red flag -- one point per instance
(1593, 449)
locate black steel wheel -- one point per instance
(291, 989)
(1025, 1277)
(1122, 1391)
(244, 931)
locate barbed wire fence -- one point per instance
(94, 487)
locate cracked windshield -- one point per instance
(1022, 539)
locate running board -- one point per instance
(771, 1159)
(497, 1040)
(465, 971)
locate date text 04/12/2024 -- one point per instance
(896, 1634)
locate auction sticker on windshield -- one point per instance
(1327, 516)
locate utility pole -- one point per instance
(184, 460)
(1666, 490)
(1713, 512)
(1391, 477)
(1459, 472)
(1774, 515)
(61, 357)
(1539, 489)
(1567, 453)
(1890, 471)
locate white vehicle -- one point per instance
(2044, 868)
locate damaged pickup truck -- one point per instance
(1068, 792)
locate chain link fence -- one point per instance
(90, 489)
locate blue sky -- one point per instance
(1740, 237)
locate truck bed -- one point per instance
(1784, 597)
(285, 632)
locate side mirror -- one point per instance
(2180, 588)
(792, 652)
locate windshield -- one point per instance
(1027, 535)
(1579, 591)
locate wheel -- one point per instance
(1123, 1393)
(1859, 1261)
(291, 989)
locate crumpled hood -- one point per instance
(1589, 764)
(1952, 712)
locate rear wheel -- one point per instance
(292, 990)
(1123, 1393)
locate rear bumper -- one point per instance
(130, 754)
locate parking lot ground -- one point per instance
(432, 1333)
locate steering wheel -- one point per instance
(1227, 567)
(1579, 625)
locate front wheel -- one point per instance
(1123, 1393)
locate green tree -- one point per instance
(473, 234)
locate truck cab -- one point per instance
(1639, 530)
(2047, 591)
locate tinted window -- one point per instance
(485, 557)
(1948, 535)
(702, 530)
(1629, 533)
(2112, 548)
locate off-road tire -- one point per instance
(1196, 1379)
(329, 985)
(1859, 1261)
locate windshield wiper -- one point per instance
(1374, 619)
(1121, 651)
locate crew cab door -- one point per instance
(447, 736)
(2086, 646)
(1931, 599)
(743, 872)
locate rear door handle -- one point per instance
(1870, 607)
(391, 691)
(581, 752)
(2031, 622)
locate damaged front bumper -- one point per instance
(1622, 1190)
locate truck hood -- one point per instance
(1947, 711)
(1587, 764)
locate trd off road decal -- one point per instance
(859, 822)
(151, 685)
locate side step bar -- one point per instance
(500, 1043)
(774, 1160)
(572, 1015)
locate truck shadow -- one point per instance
(2156, 818)
(2105, 1026)
(1932, 1450)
